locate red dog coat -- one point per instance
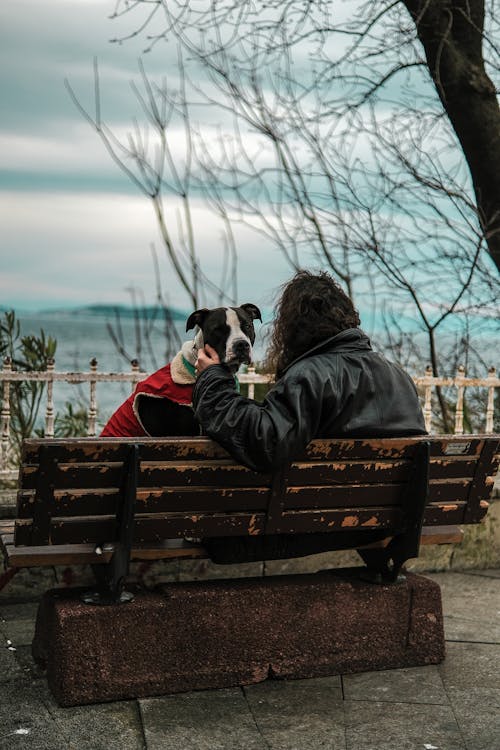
(125, 423)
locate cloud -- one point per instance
(75, 150)
(76, 248)
(74, 228)
(74, 222)
(44, 43)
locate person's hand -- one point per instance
(206, 357)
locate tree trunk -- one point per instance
(451, 32)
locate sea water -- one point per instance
(82, 337)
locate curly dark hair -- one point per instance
(311, 308)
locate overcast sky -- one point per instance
(73, 229)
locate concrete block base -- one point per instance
(223, 633)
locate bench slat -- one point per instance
(152, 500)
(108, 475)
(443, 514)
(167, 550)
(383, 470)
(80, 449)
(480, 487)
(152, 449)
(366, 495)
(155, 527)
(199, 473)
(86, 476)
(105, 501)
(441, 535)
(83, 554)
(61, 554)
(374, 518)
(338, 449)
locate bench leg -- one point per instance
(381, 567)
(111, 576)
(110, 587)
(384, 565)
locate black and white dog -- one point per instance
(228, 330)
(161, 405)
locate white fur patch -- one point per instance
(235, 332)
(178, 371)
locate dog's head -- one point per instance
(229, 330)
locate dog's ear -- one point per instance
(197, 318)
(252, 310)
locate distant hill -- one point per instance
(110, 311)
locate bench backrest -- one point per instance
(70, 491)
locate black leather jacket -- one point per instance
(339, 388)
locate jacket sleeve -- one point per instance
(261, 436)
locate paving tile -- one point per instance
(31, 720)
(478, 714)
(9, 667)
(30, 669)
(401, 726)
(20, 632)
(471, 606)
(18, 611)
(471, 665)
(485, 573)
(17, 623)
(25, 721)
(205, 720)
(417, 685)
(105, 726)
(299, 715)
(28, 583)
(459, 629)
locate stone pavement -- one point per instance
(453, 706)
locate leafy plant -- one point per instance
(27, 354)
(73, 422)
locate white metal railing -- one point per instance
(50, 376)
(426, 384)
(460, 382)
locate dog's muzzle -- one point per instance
(240, 353)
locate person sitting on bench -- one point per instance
(329, 383)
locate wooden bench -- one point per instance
(107, 501)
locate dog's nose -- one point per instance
(241, 347)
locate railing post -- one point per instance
(135, 372)
(459, 412)
(251, 386)
(428, 400)
(491, 401)
(49, 410)
(92, 413)
(5, 415)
